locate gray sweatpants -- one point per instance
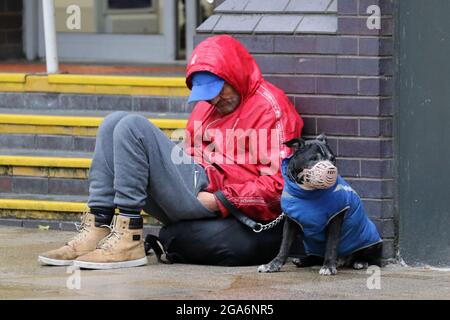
(133, 169)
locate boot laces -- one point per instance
(82, 228)
(109, 241)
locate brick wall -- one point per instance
(341, 84)
(10, 29)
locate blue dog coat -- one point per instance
(314, 209)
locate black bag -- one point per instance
(220, 242)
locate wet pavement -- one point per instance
(21, 277)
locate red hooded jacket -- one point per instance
(241, 151)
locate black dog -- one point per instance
(332, 218)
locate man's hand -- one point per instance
(208, 200)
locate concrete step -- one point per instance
(56, 146)
(48, 125)
(89, 113)
(55, 174)
(48, 207)
(45, 188)
(7, 153)
(45, 161)
(71, 133)
(76, 125)
(48, 142)
(45, 185)
(66, 225)
(94, 84)
(93, 93)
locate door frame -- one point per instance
(104, 48)
(419, 229)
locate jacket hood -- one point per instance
(227, 58)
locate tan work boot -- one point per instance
(122, 248)
(90, 232)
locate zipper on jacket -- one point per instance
(195, 179)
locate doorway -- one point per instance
(424, 132)
(117, 31)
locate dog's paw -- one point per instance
(328, 271)
(270, 267)
(360, 265)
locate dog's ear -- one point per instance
(322, 138)
(296, 143)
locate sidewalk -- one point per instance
(21, 277)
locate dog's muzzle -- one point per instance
(322, 175)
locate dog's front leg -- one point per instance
(333, 237)
(290, 231)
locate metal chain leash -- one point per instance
(262, 227)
